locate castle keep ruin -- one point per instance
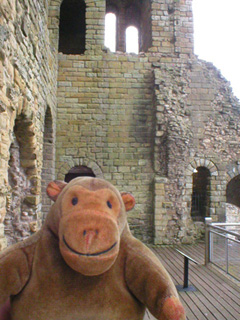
(160, 124)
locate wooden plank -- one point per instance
(221, 283)
(210, 294)
(198, 252)
(223, 309)
(175, 271)
(195, 305)
(217, 297)
(192, 308)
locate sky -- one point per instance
(217, 36)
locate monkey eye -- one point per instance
(74, 201)
(109, 204)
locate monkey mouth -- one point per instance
(88, 254)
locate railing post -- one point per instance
(208, 221)
(185, 286)
(186, 264)
(226, 244)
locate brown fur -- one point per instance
(84, 264)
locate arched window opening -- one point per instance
(132, 40)
(110, 31)
(132, 13)
(200, 194)
(79, 171)
(72, 28)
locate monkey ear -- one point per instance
(128, 200)
(54, 188)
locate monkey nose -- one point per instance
(89, 236)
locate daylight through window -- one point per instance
(110, 31)
(132, 42)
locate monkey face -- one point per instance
(88, 231)
(91, 222)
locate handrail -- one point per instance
(226, 224)
(226, 231)
(185, 286)
(185, 255)
(223, 236)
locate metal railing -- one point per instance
(222, 246)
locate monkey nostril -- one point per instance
(85, 232)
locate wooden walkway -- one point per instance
(217, 296)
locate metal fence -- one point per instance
(223, 246)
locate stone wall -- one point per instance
(196, 128)
(106, 116)
(106, 102)
(27, 86)
(145, 122)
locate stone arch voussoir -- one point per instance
(203, 163)
(233, 171)
(64, 169)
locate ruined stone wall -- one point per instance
(99, 95)
(27, 87)
(196, 126)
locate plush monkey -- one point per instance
(84, 264)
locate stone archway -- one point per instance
(23, 197)
(211, 199)
(78, 171)
(233, 191)
(213, 175)
(66, 167)
(200, 194)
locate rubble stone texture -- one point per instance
(144, 122)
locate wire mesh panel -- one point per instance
(223, 246)
(218, 250)
(234, 258)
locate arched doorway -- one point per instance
(233, 200)
(200, 194)
(79, 171)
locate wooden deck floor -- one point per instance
(217, 296)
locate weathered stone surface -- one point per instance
(27, 86)
(145, 122)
